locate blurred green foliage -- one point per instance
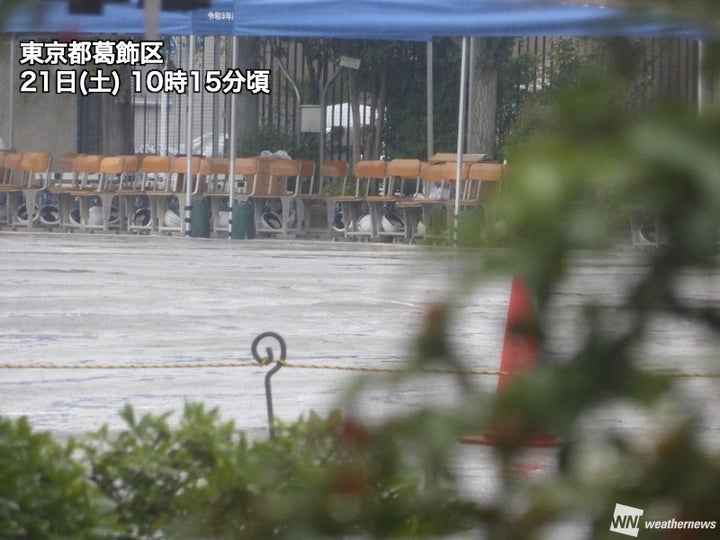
(44, 493)
(583, 161)
(586, 160)
(271, 139)
(319, 477)
(200, 477)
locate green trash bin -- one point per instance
(200, 219)
(471, 224)
(243, 220)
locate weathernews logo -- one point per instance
(626, 520)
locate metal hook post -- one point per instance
(269, 358)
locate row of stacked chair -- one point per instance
(412, 200)
(148, 193)
(22, 177)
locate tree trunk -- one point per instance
(247, 105)
(379, 121)
(483, 106)
(355, 111)
(115, 124)
(118, 125)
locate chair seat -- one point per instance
(472, 202)
(163, 193)
(381, 198)
(418, 201)
(84, 192)
(68, 189)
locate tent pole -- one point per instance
(231, 154)
(11, 101)
(298, 98)
(430, 107)
(701, 78)
(163, 120)
(460, 133)
(188, 142)
(152, 18)
(163, 124)
(472, 54)
(323, 116)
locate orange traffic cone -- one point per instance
(521, 345)
(520, 350)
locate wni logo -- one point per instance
(626, 520)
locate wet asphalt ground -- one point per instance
(184, 305)
(128, 300)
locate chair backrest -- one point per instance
(87, 163)
(220, 165)
(13, 160)
(132, 164)
(155, 164)
(438, 180)
(13, 166)
(246, 169)
(203, 176)
(215, 179)
(66, 161)
(449, 174)
(246, 166)
(111, 170)
(281, 172)
(131, 177)
(36, 166)
(87, 168)
(66, 171)
(307, 168)
(449, 170)
(403, 169)
(206, 167)
(307, 178)
(65, 174)
(178, 172)
(479, 176)
(431, 172)
(285, 167)
(371, 174)
(486, 171)
(155, 172)
(178, 164)
(112, 165)
(37, 162)
(334, 171)
(376, 169)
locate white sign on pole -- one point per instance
(349, 62)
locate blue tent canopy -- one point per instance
(421, 20)
(418, 20)
(216, 20)
(128, 18)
